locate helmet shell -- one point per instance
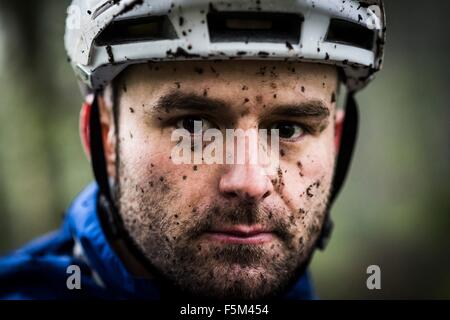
(104, 37)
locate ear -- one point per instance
(338, 128)
(107, 127)
(108, 135)
(85, 119)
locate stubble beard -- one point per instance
(171, 241)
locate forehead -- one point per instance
(232, 79)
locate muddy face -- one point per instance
(226, 230)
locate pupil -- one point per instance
(286, 131)
(189, 124)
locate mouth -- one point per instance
(241, 235)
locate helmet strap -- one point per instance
(344, 159)
(107, 207)
(107, 211)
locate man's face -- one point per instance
(226, 230)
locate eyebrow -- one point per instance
(309, 109)
(177, 100)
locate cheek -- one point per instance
(141, 147)
(309, 174)
(318, 157)
(146, 162)
(309, 188)
(318, 162)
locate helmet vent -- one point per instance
(350, 33)
(254, 27)
(137, 30)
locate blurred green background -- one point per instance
(394, 211)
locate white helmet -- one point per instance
(104, 37)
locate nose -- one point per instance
(248, 182)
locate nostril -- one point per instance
(230, 194)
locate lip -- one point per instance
(241, 235)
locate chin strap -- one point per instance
(108, 212)
(348, 142)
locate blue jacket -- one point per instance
(39, 270)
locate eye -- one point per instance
(195, 125)
(288, 130)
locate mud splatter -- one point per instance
(180, 53)
(262, 71)
(289, 46)
(110, 55)
(259, 99)
(300, 166)
(309, 192)
(199, 70)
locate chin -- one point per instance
(234, 282)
